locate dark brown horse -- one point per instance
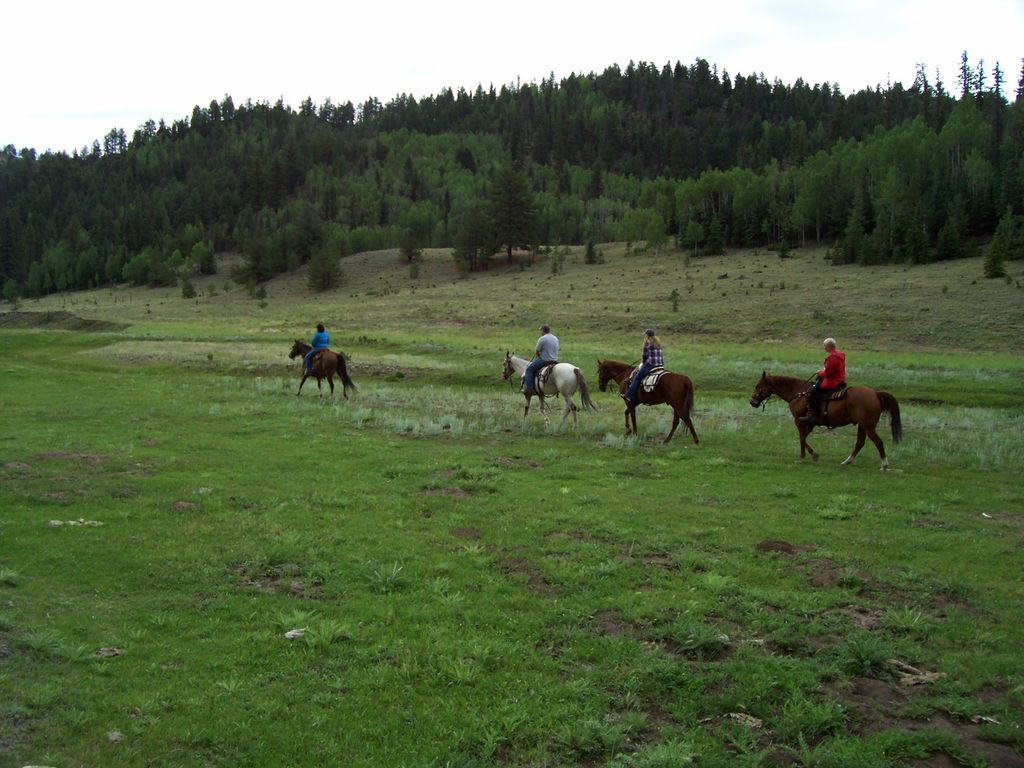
(325, 366)
(861, 406)
(672, 388)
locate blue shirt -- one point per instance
(547, 347)
(320, 340)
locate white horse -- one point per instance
(564, 380)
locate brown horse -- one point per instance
(324, 365)
(672, 388)
(861, 406)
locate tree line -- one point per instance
(682, 154)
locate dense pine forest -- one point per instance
(680, 155)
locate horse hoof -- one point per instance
(814, 457)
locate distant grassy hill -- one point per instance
(744, 297)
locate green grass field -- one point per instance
(476, 590)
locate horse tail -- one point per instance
(889, 404)
(581, 383)
(346, 380)
(688, 396)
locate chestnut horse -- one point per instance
(324, 366)
(672, 388)
(861, 406)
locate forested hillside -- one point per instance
(685, 154)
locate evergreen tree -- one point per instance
(1001, 247)
(323, 273)
(715, 243)
(513, 210)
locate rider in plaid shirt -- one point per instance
(650, 358)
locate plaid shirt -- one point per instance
(652, 355)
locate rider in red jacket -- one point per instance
(830, 378)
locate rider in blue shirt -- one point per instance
(546, 352)
(319, 341)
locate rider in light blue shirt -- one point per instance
(319, 341)
(546, 352)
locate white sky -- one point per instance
(73, 71)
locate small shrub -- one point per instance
(387, 578)
(862, 654)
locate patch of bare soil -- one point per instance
(510, 463)
(284, 579)
(783, 547)
(574, 535)
(460, 493)
(466, 533)
(92, 459)
(861, 617)
(184, 506)
(610, 623)
(997, 755)
(535, 580)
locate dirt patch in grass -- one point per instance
(460, 493)
(574, 535)
(56, 319)
(466, 533)
(518, 567)
(782, 547)
(285, 579)
(610, 623)
(968, 734)
(92, 459)
(861, 617)
(511, 463)
(184, 506)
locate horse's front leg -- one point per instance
(804, 430)
(303, 381)
(544, 410)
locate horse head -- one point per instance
(762, 390)
(603, 375)
(297, 349)
(507, 370)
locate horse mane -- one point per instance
(616, 364)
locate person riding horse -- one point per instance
(831, 377)
(651, 357)
(546, 352)
(320, 341)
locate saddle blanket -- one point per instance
(651, 379)
(835, 394)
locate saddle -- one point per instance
(544, 372)
(836, 394)
(650, 381)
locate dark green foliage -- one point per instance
(1005, 245)
(188, 291)
(880, 170)
(715, 237)
(512, 211)
(324, 272)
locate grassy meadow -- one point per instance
(198, 568)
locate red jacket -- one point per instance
(834, 372)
